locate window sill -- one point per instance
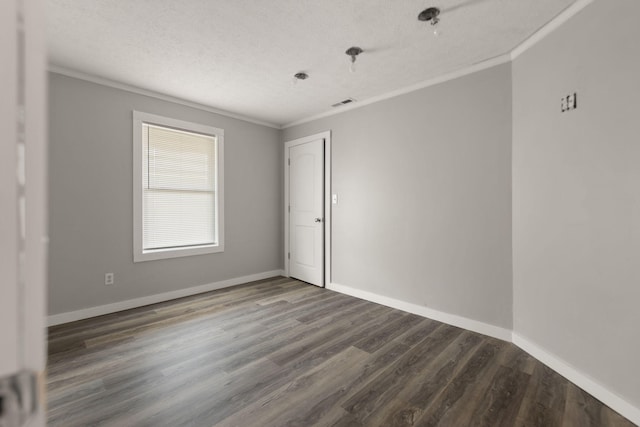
(176, 253)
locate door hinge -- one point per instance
(289, 210)
(289, 255)
(289, 162)
(18, 398)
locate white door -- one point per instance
(23, 212)
(306, 212)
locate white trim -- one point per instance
(451, 319)
(326, 135)
(327, 207)
(139, 254)
(539, 35)
(579, 378)
(550, 27)
(72, 316)
(532, 40)
(134, 89)
(489, 63)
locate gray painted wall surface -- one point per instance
(576, 204)
(424, 187)
(91, 218)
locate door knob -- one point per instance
(318, 220)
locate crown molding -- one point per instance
(133, 89)
(527, 44)
(489, 63)
(550, 27)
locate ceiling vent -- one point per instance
(345, 102)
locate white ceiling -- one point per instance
(240, 55)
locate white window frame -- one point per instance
(139, 254)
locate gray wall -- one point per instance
(424, 187)
(576, 203)
(91, 214)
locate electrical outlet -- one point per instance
(569, 102)
(109, 279)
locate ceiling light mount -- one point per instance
(353, 52)
(431, 15)
(299, 76)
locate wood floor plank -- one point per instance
(419, 332)
(346, 332)
(304, 306)
(387, 333)
(216, 393)
(125, 355)
(584, 410)
(384, 387)
(410, 403)
(544, 402)
(500, 403)
(278, 352)
(375, 365)
(295, 403)
(449, 405)
(475, 395)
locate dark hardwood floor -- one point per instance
(279, 352)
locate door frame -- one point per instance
(326, 135)
(24, 206)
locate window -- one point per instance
(177, 188)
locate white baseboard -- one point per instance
(100, 310)
(557, 364)
(451, 319)
(580, 379)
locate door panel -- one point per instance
(302, 179)
(304, 255)
(306, 206)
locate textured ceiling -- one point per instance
(240, 55)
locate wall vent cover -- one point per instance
(344, 102)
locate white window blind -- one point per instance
(179, 188)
